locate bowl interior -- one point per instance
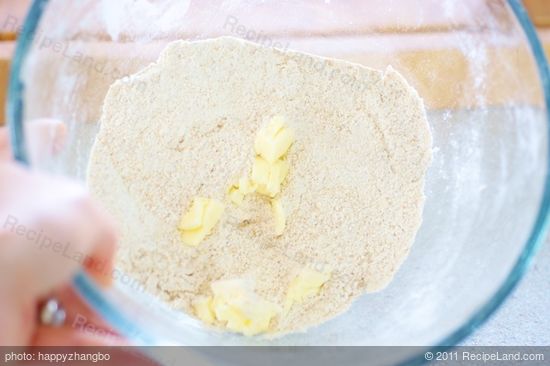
(472, 64)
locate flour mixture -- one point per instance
(261, 191)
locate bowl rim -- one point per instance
(95, 297)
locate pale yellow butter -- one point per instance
(269, 169)
(274, 140)
(238, 191)
(307, 283)
(235, 195)
(246, 186)
(203, 306)
(193, 218)
(198, 222)
(240, 308)
(268, 177)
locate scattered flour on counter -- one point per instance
(353, 197)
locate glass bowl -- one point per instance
(483, 76)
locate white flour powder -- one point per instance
(353, 197)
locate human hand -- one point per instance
(49, 229)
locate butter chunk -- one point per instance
(192, 237)
(235, 195)
(275, 125)
(268, 177)
(235, 288)
(212, 215)
(273, 141)
(246, 186)
(238, 191)
(260, 171)
(280, 218)
(203, 306)
(193, 218)
(240, 308)
(308, 283)
(199, 221)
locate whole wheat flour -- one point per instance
(185, 127)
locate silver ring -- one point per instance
(52, 314)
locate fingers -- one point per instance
(17, 318)
(51, 228)
(5, 149)
(45, 138)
